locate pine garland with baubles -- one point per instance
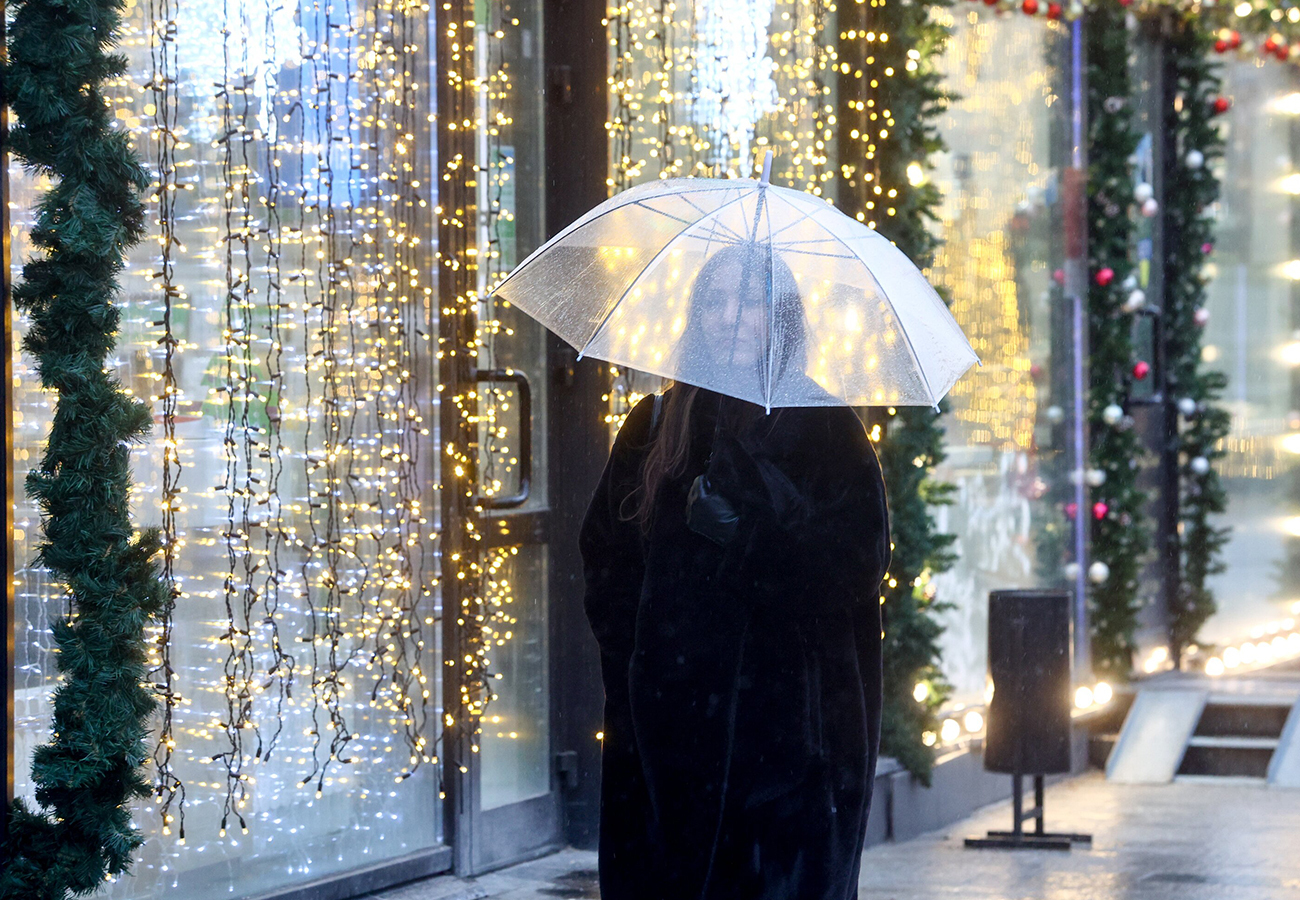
(1120, 535)
(1194, 392)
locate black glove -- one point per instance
(710, 514)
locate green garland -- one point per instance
(1192, 187)
(91, 768)
(1120, 536)
(910, 89)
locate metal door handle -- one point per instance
(525, 391)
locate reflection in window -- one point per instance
(279, 320)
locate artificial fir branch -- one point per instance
(58, 61)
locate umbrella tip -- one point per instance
(765, 178)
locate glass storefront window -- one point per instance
(1002, 265)
(296, 232)
(1251, 337)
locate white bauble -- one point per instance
(1112, 415)
(1098, 572)
(1070, 570)
(1187, 406)
(1135, 301)
(1096, 477)
(1195, 159)
(1150, 208)
(1200, 465)
(1055, 415)
(1130, 283)
(1076, 476)
(1201, 316)
(1143, 192)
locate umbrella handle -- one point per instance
(767, 169)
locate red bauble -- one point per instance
(1053, 11)
(1105, 276)
(1234, 40)
(1030, 7)
(1220, 46)
(1141, 369)
(1099, 510)
(1059, 276)
(1222, 105)
(1282, 52)
(1269, 45)
(1035, 371)
(1071, 509)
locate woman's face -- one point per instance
(734, 323)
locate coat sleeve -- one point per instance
(814, 529)
(611, 546)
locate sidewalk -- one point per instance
(1184, 841)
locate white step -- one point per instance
(1243, 780)
(1228, 742)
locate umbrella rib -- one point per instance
(793, 249)
(579, 225)
(654, 259)
(771, 304)
(804, 215)
(703, 213)
(907, 337)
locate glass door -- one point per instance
(514, 809)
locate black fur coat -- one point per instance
(742, 682)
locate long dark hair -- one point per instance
(671, 450)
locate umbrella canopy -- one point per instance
(752, 290)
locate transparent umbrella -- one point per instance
(749, 289)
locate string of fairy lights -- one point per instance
(281, 321)
(165, 111)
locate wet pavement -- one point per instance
(1182, 841)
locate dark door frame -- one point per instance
(577, 165)
(7, 568)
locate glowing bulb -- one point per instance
(1083, 697)
(949, 731)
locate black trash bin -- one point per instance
(1029, 662)
(1028, 720)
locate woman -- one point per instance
(739, 637)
